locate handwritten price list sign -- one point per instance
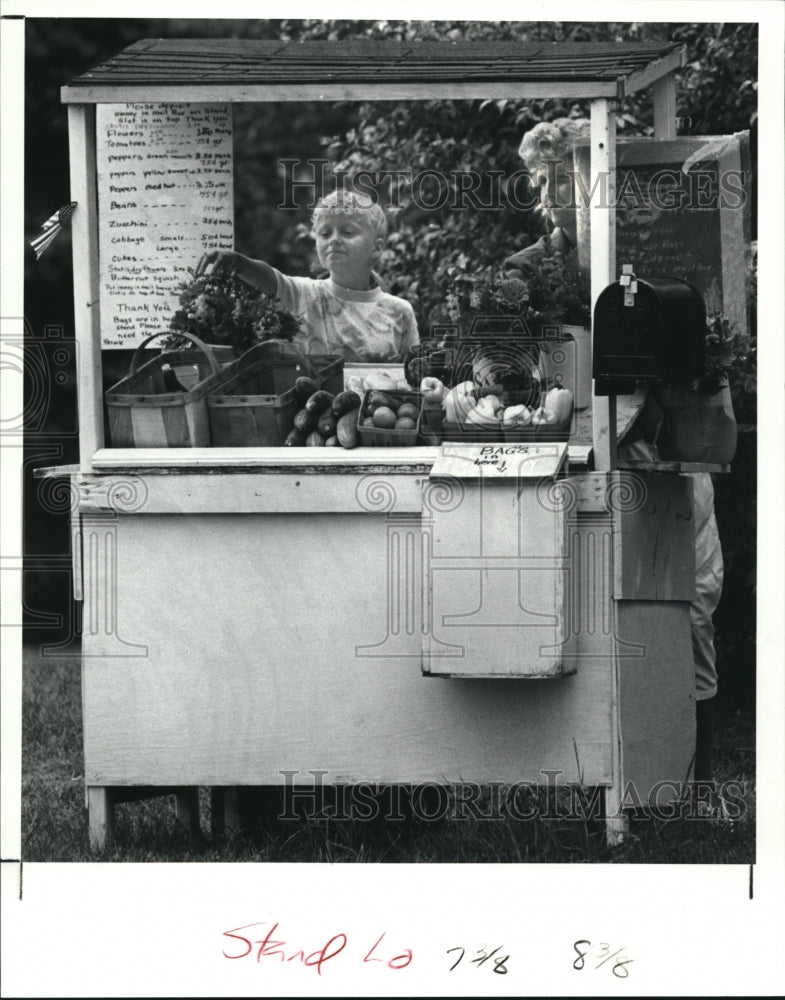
(165, 193)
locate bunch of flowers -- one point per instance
(475, 302)
(221, 308)
(555, 292)
(730, 360)
(559, 291)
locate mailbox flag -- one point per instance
(51, 228)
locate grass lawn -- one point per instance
(54, 816)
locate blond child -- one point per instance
(347, 313)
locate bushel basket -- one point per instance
(163, 404)
(253, 403)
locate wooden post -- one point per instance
(603, 259)
(224, 809)
(616, 822)
(187, 809)
(100, 816)
(84, 240)
(664, 94)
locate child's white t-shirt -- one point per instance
(367, 325)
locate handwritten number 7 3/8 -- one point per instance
(483, 956)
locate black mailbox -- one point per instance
(647, 330)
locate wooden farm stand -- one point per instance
(252, 612)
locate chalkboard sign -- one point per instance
(165, 193)
(682, 210)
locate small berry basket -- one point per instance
(372, 434)
(472, 433)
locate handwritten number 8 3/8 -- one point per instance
(619, 967)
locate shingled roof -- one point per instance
(247, 69)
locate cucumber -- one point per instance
(347, 429)
(295, 439)
(305, 421)
(305, 388)
(319, 401)
(327, 424)
(344, 402)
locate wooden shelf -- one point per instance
(678, 467)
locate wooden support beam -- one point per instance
(187, 809)
(217, 817)
(84, 240)
(664, 94)
(603, 260)
(231, 810)
(224, 810)
(617, 824)
(100, 816)
(209, 93)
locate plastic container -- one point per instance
(382, 437)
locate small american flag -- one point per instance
(51, 228)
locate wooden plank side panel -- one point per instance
(656, 699)
(273, 645)
(653, 537)
(252, 493)
(497, 580)
(301, 491)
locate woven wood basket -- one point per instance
(144, 413)
(253, 404)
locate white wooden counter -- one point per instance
(263, 612)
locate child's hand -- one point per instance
(254, 272)
(222, 260)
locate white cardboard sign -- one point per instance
(165, 194)
(498, 460)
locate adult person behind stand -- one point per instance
(547, 153)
